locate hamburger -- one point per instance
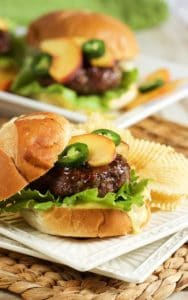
(83, 60)
(12, 53)
(69, 184)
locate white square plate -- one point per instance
(138, 265)
(11, 104)
(135, 266)
(86, 254)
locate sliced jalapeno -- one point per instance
(93, 48)
(74, 155)
(115, 137)
(41, 64)
(150, 86)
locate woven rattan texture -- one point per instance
(34, 279)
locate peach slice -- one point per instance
(107, 60)
(102, 150)
(57, 46)
(79, 40)
(66, 58)
(123, 149)
(163, 90)
(4, 84)
(6, 78)
(3, 25)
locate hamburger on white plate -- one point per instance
(83, 61)
(70, 184)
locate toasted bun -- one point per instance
(29, 147)
(118, 36)
(11, 180)
(82, 222)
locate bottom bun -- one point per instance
(82, 223)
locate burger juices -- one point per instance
(82, 60)
(69, 185)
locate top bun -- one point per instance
(29, 147)
(118, 36)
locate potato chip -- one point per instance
(169, 174)
(167, 170)
(143, 152)
(165, 201)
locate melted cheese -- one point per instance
(127, 65)
(138, 216)
(125, 98)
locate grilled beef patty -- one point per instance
(4, 42)
(63, 181)
(92, 80)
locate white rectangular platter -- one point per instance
(11, 104)
(135, 266)
(86, 254)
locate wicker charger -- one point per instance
(34, 279)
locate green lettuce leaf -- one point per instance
(129, 194)
(129, 77)
(24, 78)
(18, 49)
(6, 62)
(15, 57)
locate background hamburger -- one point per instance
(69, 184)
(83, 60)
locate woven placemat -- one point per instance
(34, 279)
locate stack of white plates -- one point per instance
(131, 258)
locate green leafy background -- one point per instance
(137, 13)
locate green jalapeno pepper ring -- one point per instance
(115, 137)
(73, 155)
(150, 86)
(41, 64)
(93, 48)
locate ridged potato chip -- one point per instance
(164, 201)
(144, 152)
(169, 174)
(167, 170)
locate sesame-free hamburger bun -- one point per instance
(87, 222)
(118, 37)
